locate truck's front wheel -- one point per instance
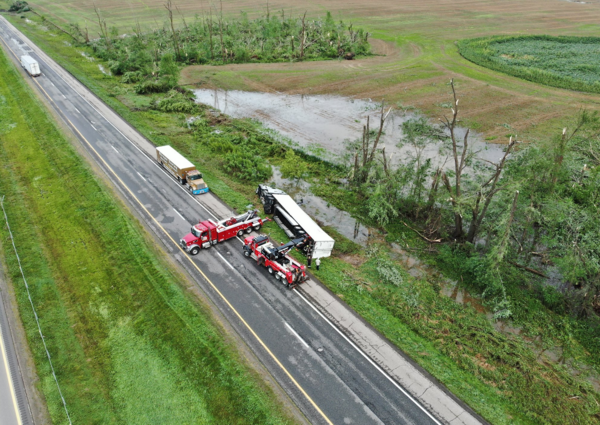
(247, 253)
(270, 270)
(195, 250)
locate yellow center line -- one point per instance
(204, 276)
(289, 375)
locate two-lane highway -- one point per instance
(325, 375)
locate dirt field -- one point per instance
(416, 41)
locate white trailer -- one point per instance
(30, 65)
(323, 243)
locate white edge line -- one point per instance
(296, 334)
(141, 176)
(418, 404)
(113, 126)
(10, 379)
(305, 300)
(223, 258)
(178, 213)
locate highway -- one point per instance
(322, 372)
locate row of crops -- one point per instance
(567, 62)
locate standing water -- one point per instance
(322, 125)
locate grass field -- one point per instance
(129, 343)
(456, 343)
(418, 41)
(566, 62)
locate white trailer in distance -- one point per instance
(30, 65)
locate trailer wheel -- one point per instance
(195, 250)
(240, 233)
(246, 253)
(270, 270)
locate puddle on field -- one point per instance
(322, 124)
(325, 213)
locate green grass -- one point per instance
(566, 62)
(455, 343)
(128, 342)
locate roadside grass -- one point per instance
(500, 376)
(128, 342)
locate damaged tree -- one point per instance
(365, 154)
(480, 202)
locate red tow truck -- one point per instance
(276, 260)
(208, 233)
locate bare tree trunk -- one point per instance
(210, 36)
(102, 25)
(169, 8)
(221, 32)
(479, 216)
(459, 164)
(303, 37)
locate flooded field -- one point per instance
(323, 125)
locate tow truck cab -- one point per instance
(202, 235)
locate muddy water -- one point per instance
(323, 125)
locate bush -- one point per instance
(247, 166)
(153, 86)
(19, 6)
(176, 102)
(132, 77)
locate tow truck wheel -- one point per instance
(247, 253)
(240, 233)
(270, 270)
(195, 250)
(257, 228)
(249, 229)
(277, 276)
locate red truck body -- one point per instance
(275, 259)
(207, 233)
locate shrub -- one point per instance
(153, 86)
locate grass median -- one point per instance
(129, 345)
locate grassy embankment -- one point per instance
(499, 375)
(129, 343)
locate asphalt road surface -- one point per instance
(329, 380)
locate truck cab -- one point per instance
(202, 235)
(195, 182)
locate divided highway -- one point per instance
(321, 371)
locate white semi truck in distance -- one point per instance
(30, 65)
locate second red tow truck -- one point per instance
(207, 233)
(276, 260)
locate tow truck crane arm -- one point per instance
(282, 250)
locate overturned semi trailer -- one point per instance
(295, 222)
